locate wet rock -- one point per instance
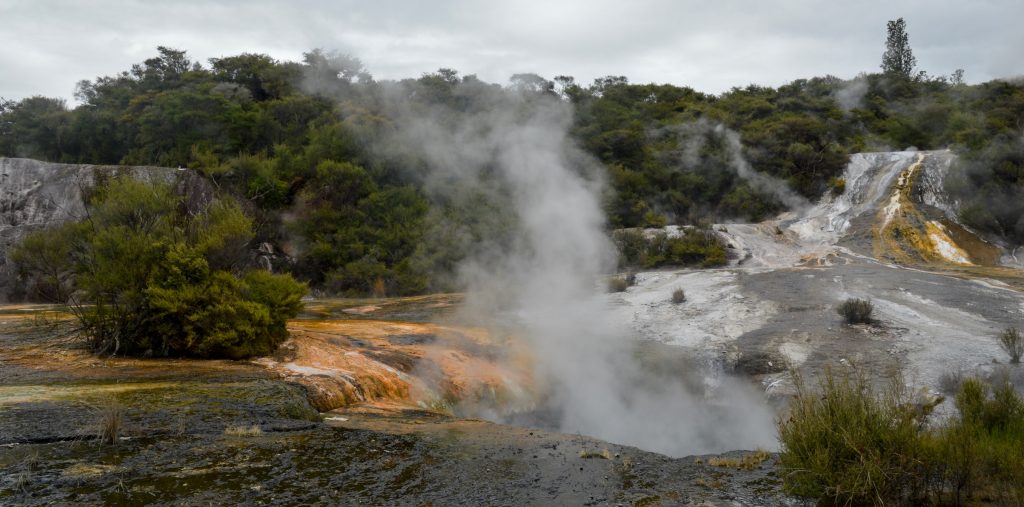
(327, 393)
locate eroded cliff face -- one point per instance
(35, 195)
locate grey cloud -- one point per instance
(47, 45)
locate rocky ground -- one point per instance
(225, 432)
(941, 294)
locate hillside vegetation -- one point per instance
(314, 149)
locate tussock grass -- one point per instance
(856, 311)
(21, 483)
(678, 296)
(111, 422)
(1012, 341)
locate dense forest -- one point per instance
(309, 149)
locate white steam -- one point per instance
(850, 94)
(547, 280)
(694, 136)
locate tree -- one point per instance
(957, 78)
(332, 71)
(898, 58)
(531, 83)
(147, 274)
(165, 71)
(247, 69)
(34, 127)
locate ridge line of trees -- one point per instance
(305, 145)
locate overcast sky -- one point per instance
(46, 46)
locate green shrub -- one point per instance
(152, 277)
(981, 451)
(692, 247)
(837, 186)
(1012, 341)
(847, 443)
(856, 311)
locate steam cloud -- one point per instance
(850, 94)
(547, 279)
(695, 135)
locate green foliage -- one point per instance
(847, 443)
(690, 247)
(358, 233)
(146, 275)
(990, 184)
(856, 311)
(281, 135)
(33, 127)
(837, 186)
(898, 58)
(42, 263)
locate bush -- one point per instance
(950, 382)
(856, 311)
(678, 296)
(152, 277)
(1012, 342)
(693, 247)
(837, 186)
(620, 283)
(846, 443)
(981, 452)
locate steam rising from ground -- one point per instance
(850, 94)
(695, 136)
(546, 279)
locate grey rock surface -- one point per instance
(36, 195)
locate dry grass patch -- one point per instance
(603, 454)
(242, 430)
(111, 422)
(745, 462)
